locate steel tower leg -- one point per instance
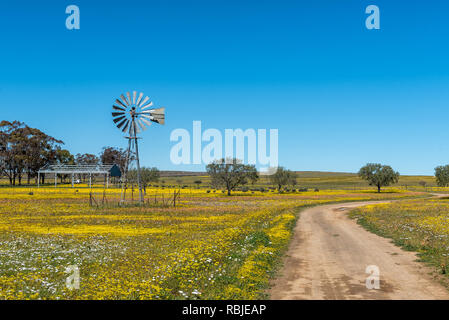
(138, 170)
(125, 173)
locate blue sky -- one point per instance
(340, 95)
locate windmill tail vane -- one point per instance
(132, 114)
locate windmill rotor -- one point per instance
(129, 107)
(132, 114)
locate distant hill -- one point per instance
(327, 174)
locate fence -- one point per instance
(153, 200)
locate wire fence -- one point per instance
(105, 199)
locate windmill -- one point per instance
(133, 114)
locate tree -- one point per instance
(111, 155)
(86, 159)
(41, 150)
(147, 175)
(64, 157)
(378, 175)
(422, 183)
(8, 149)
(283, 177)
(442, 175)
(25, 150)
(231, 174)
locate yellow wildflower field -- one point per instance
(420, 225)
(210, 246)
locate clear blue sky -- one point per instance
(340, 95)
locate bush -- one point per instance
(316, 190)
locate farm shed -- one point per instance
(108, 170)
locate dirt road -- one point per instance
(328, 256)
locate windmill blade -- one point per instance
(119, 119)
(140, 98)
(148, 123)
(147, 106)
(121, 123)
(134, 97)
(117, 114)
(144, 101)
(157, 118)
(147, 116)
(124, 99)
(141, 124)
(120, 103)
(129, 98)
(126, 126)
(118, 108)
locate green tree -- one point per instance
(283, 177)
(231, 174)
(86, 159)
(442, 175)
(64, 157)
(378, 175)
(422, 183)
(111, 155)
(24, 150)
(149, 175)
(10, 155)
